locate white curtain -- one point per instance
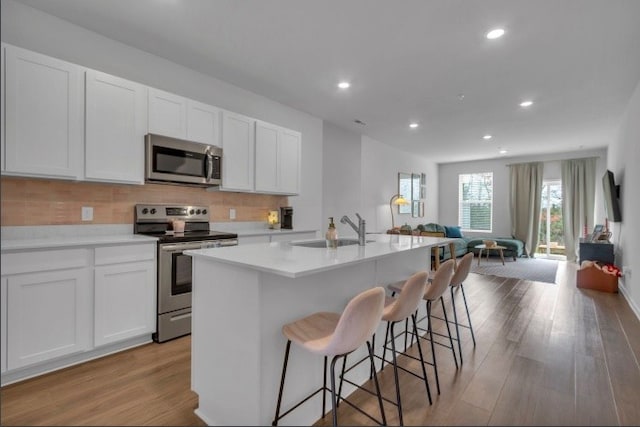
(578, 199)
(524, 201)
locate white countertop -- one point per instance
(265, 231)
(71, 241)
(288, 260)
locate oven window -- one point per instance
(180, 274)
(168, 160)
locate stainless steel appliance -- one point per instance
(174, 267)
(176, 161)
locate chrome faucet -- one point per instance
(360, 229)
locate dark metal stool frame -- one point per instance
(455, 319)
(394, 352)
(431, 333)
(324, 389)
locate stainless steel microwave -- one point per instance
(176, 161)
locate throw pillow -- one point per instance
(453, 231)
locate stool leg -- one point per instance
(464, 298)
(433, 349)
(384, 348)
(395, 374)
(344, 363)
(333, 391)
(373, 366)
(446, 321)
(424, 370)
(324, 388)
(284, 371)
(455, 320)
(375, 380)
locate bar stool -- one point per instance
(460, 275)
(397, 310)
(434, 292)
(335, 335)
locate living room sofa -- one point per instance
(462, 244)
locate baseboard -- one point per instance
(626, 294)
(38, 369)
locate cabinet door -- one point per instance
(238, 152)
(48, 315)
(3, 324)
(124, 301)
(2, 98)
(167, 114)
(44, 115)
(203, 123)
(116, 122)
(267, 157)
(289, 150)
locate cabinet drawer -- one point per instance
(29, 262)
(125, 253)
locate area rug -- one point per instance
(537, 270)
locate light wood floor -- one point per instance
(546, 355)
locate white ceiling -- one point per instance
(579, 60)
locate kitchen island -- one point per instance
(243, 295)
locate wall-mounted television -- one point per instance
(611, 197)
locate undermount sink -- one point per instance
(323, 244)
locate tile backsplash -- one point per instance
(30, 201)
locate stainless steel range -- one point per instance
(174, 267)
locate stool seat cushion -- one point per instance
(331, 334)
(312, 332)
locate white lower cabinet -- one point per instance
(3, 324)
(124, 303)
(61, 306)
(48, 315)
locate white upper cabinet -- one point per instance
(267, 179)
(116, 123)
(44, 99)
(238, 140)
(203, 123)
(289, 151)
(167, 114)
(277, 159)
(2, 127)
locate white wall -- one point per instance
(448, 178)
(341, 180)
(361, 175)
(34, 30)
(380, 167)
(624, 162)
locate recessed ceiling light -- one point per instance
(413, 125)
(495, 33)
(344, 85)
(526, 104)
(487, 137)
(503, 151)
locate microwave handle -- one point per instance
(209, 166)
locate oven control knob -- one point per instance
(145, 211)
(204, 211)
(198, 211)
(153, 211)
(191, 212)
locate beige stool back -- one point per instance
(440, 282)
(462, 271)
(357, 323)
(408, 300)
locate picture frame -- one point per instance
(598, 230)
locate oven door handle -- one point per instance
(180, 247)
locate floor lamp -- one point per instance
(396, 200)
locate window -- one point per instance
(475, 201)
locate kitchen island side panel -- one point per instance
(262, 303)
